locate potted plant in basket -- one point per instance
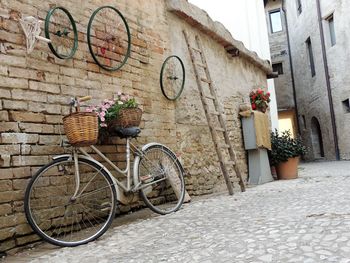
(123, 111)
(285, 153)
(259, 100)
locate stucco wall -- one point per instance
(338, 64)
(35, 89)
(280, 54)
(311, 91)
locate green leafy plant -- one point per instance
(283, 147)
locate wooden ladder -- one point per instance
(214, 117)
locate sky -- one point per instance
(242, 19)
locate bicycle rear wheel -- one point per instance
(161, 174)
(61, 220)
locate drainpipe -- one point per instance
(328, 83)
(291, 67)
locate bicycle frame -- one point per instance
(132, 184)
(126, 172)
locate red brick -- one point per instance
(19, 138)
(25, 94)
(26, 116)
(38, 128)
(50, 139)
(43, 107)
(5, 93)
(42, 86)
(5, 185)
(29, 160)
(5, 209)
(15, 105)
(12, 60)
(9, 126)
(10, 149)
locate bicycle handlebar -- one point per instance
(86, 98)
(75, 102)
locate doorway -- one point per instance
(316, 136)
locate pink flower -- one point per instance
(102, 114)
(102, 119)
(103, 125)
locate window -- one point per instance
(346, 105)
(275, 21)
(331, 30)
(311, 57)
(299, 7)
(278, 67)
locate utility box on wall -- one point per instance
(256, 133)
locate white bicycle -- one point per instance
(72, 200)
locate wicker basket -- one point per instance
(81, 128)
(127, 117)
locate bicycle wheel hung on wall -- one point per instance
(172, 77)
(109, 38)
(60, 28)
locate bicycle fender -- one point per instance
(154, 143)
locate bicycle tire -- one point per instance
(60, 220)
(158, 162)
(169, 78)
(61, 34)
(113, 42)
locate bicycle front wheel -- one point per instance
(161, 174)
(62, 219)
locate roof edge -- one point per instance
(201, 20)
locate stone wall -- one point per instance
(339, 76)
(312, 96)
(35, 89)
(280, 54)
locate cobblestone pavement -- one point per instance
(302, 220)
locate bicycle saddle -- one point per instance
(132, 132)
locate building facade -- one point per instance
(35, 89)
(318, 45)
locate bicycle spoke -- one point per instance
(66, 221)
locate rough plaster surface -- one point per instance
(311, 92)
(280, 54)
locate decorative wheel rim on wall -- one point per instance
(172, 77)
(109, 38)
(60, 28)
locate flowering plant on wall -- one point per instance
(259, 100)
(108, 110)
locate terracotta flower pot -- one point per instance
(288, 170)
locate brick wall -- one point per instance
(35, 89)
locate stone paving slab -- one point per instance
(302, 220)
